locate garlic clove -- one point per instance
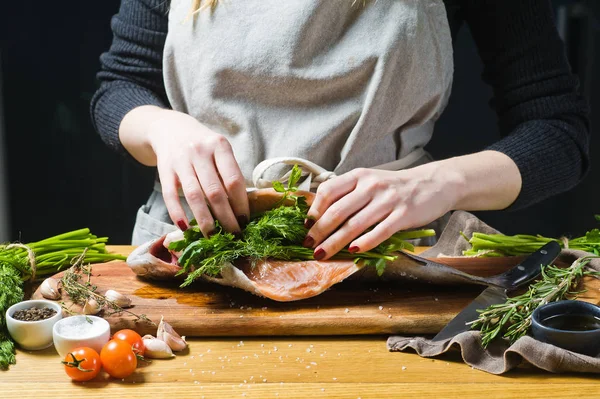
(49, 289)
(118, 298)
(156, 348)
(168, 334)
(91, 306)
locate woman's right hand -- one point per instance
(191, 156)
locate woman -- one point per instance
(207, 91)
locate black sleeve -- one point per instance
(131, 71)
(542, 118)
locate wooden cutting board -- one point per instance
(348, 308)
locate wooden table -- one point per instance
(292, 367)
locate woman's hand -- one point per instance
(346, 206)
(193, 157)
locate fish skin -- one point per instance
(145, 264)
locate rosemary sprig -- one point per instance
(512, 319)
(80, 291)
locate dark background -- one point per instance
(62, 177)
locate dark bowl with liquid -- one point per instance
(571, 325)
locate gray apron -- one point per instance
(336, 84)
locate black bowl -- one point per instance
(568, 336)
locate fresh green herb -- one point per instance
(19, 263)
(512, 319)
(76, 281)
(489, 245)
(277, 233)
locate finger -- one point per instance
(195, 197)
(354, 227)
(234, 183)
(395, 222)
(216, 195)
(335, 216)
(328, 193)
(169, 184)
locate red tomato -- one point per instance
(118, 358)
(82, 364)
(132, 338)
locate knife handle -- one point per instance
(530, 267)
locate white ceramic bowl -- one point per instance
(32, 335)
(75, 331)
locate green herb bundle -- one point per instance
(19, 263)
(512, 319)
(277, 233)
(490, 245)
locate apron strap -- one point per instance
(315, 174)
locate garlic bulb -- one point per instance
(166, 333)
(118, 298)
(49, 289)
(91, 306)
(156, 348)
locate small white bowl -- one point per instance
(32, 335)
(75, 331)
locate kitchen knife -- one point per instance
(523, 273)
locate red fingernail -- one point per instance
(353, 249)
(308, 223)
(319, 254)
(308, 242)
(242, 220)
(211, 233)
(182, 225)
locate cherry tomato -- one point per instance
(132, 338)
(118, 358)
(82, 364)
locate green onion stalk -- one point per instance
(490, 245)
(25, 262)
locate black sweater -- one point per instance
(541, 116)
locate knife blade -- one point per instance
(523, 273)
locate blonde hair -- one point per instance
(199, 5)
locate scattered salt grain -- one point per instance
(389, 316)
(264, 380)
(334, 378)
(380, 307)
(264, 308)
(346, 310)
(403, 367)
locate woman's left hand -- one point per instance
(349, 204)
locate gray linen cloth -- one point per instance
(499, 357)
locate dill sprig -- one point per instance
(277, 233)
(512, 319)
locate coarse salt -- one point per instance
(79, 327)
